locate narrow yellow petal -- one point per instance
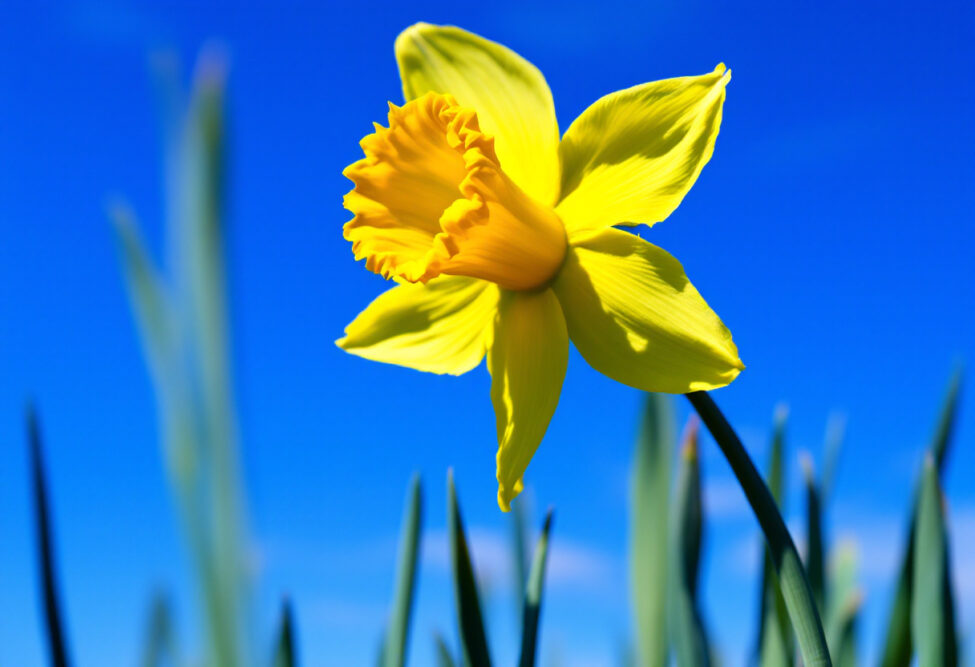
(632, 156)
(634, 316)
(444, 326)
(509, 94)
(527, 361)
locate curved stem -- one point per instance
(792, 577)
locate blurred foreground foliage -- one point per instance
(181, 310)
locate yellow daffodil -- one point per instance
(501, 236)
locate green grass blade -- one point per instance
(533, 596)
(832, 451)
(774, 643)
(815, 560)
(284, 648)
(397, 634)
(797, 594)
(687, 633)
(932, 609)
(897, 648)
(159, 648)
(444, 659)
(650, 493)
(519, 550)
(470, 621)
(841, 630)
(53, 617)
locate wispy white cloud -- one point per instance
(570, 564)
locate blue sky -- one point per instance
(832, 231)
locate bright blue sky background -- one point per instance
(832, 231)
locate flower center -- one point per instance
(430, 198)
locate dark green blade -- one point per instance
(897, 649)
(932, 610)
(649, 530)
(796, 593)
(687, 633)
(397, 635)
(815, 566)
(54, 625)
(159, 648)
(533, 597)
(284, 649)
(472, 638)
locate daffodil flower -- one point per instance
(501, 236)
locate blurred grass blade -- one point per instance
(815, 565)
(397, 634)
(897, 649)
(471, 624)
(147, 290)
(832, 451)
(533, 596)
(159, 649)
(795, 588)
(774, 645)
(54, 623)
(841, 631)
(687, 633)
(444, 658)
(932, 610)
(284, 649)
(650, 492)
(519, 550)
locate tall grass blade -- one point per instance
(897, 648)
(284, 647)
(815, 559)
(519, 550)
(444, 659)
(533, 596)
(841, 631)
(774, 645)
(795, 588)
(159, 648)
(470, 621)
(650, 493)
(53, 617)
(397, 635)
(687, 633)
(932, 608)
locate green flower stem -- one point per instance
(792, 578)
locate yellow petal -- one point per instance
(444, 326)
(632, 156)
(527, 361)
(634, 316)
(509, 94)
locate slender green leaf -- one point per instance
(897, 648)
(53, 617)
(687, 633)
(159, 648)
(649, 530)
(533, 596)
(832, 451)
(284, 649)
(519, 550)
(397, 635)
(775, 638)
(815, 561)
(795, 588)
(841, 631)
(470, 621)
(932, 609)
(444, 659)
